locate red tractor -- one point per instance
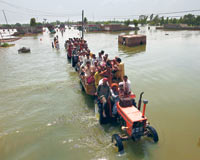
(133, 122)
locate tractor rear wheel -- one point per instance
(118, 142)
(152, 133)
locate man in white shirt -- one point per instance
(126, 85)
(86, 59)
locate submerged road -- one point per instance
(45, 115)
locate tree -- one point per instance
(189, 19)
(167, 20)
(32, 22)
(174, 21)
(18, 25)
(162, 21)
(135, 22)
(127, 22)
(151, 17)
(142, 19)
(156, 20)
(85, 21)
(197, 21)
(57, 22)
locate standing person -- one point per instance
(54, 41)
(103, 93)
(93, 59)
(86, 59)
(97, 77)
(120, 73)
(126, 85)
(99, 58)
(115, 97)
(107, 73)
(57, 44)
(69, 50)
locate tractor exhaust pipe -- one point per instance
(144, 108)
(140, 100)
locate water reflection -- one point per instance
(131, 50)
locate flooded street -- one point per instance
(44, 114)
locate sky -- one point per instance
(22, 10)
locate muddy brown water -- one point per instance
(44, 114)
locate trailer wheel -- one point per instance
(152, 133)
(118, 142)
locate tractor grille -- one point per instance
(138, 129)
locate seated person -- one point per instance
(121, 90)
(126, 94)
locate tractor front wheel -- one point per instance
(118, 142)
(151, 132)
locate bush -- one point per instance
(5, 45)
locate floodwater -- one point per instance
(44, 115)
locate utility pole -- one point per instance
(82, 24)
(6, 21)
(5, 16)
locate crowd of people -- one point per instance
(106, 75)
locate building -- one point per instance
(132, 40)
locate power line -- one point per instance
(42, 13)
(161, 13)
(194, 10)
(33, 14)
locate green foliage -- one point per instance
(167, 21)
(135, 22)
(156, 20)
(106, 23)
(174, 21)
(162, 21)
(18, 25)
(197, 20)
(6, 26)
(142, 20)
(5, 45)
(57, 22)
(127, 22)
(151, 17)
(85, 21)
(32, 22)
(189, 19)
